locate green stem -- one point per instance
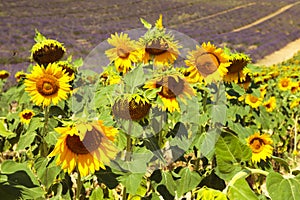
(243, 174)
(295, 139)
(79, 184)
(129, 143)
(44, 146)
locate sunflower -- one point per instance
(26, 116)
(68, 68)
(294, 87)
(46, 85)
(260, 146)
(253, 101)
(124, 53)
(134, 107)
(237, 69)
(4, 74)
(87, 146)
(172, 86)
(159, 46)
(246, 82)
(20, 75)
(270, 105)
(208, 61)
(284, 84)
(110, 76)
(46, 51)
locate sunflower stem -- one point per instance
(44, 146)
(78, 183)
(295, 139)
(129, 143)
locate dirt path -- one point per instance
(281, 55)
(261, 20)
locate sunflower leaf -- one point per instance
(38, 36)
(241, 190)
(146, 24)
(283, 188)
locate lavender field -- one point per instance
(83, 25)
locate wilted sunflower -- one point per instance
(260, 146)
(253, 101)
(124, 53)
(85, 145)
(208, 61)
(172, 86)
(270, 105)
(46, 51)
(284, 84)
(26, 116)
(46, 85)
(133, 107)
(4, 74)
(237, 70)
(20, 75)
(159, 46)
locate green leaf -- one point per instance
(19, 173)
(241, 190)
(38, 36)
(169, 182)
(46, 173)
(283, 188)
(97, 194)
(52, 137)
(25, 140)
(230, 155)
(146, 24)
(35, 123)
(4, 132)
(206, 193)
(134, 79)
(131, 181)
(208, 142)
(188, 181)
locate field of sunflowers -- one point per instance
(149, 114)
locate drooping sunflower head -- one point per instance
(46, 51)
(270, 105)
(110, 76)
(20, 75)
(85, 145)
(236, 70)
(47, 85)
(209, 61)
(26, 116)
(124, 53)
(158, 46)
(171, 87)
(4, 74)
(69, 69)
(284, 84)
(253, 101)
(260, 146)
(131, 107)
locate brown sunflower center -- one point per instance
(157, 47)
(131, 110)
(122, 53)
(285, 83)
(90, 143)
(4, 75)
(268, 105)
(253, 99)
(257, 145)
(48, 54)
(170, 87)
(47, 85)
(68, 70)
(207, 63)
(237, 65)
(27, 115)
